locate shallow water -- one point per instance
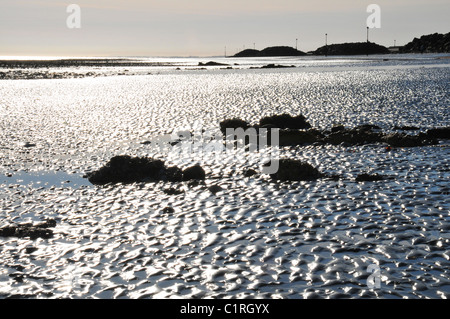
(254, 238)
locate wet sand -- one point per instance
(254, 237)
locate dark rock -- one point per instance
(195, 172)
(215, 189)
(403, 140)
(249, 172)
(28, 144)
(369, 178)
(195, 183)
(29, 230)
(296, 137)
(234, 124)
(333, 177)
(126, 169)
(338, 128)
(173, 191)
(367, 127)
(168, 210)
(30, 250)
(212, 63)
(295, 170)
(286, 121)
(439, 133)
(267, 126)
(353, 137)
(276, 66)
(406, 128)
(431, 43)
(173, 173)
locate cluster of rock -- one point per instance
(36, 75)
(29, 230)
(295, 170)
(283, 121)
(295, 130)
(272, 66)
(126, 169)
(432, 43)
(212, 63)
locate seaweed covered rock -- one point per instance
(212, 63)
(249, 172)
(295, 170)
(195, 172)
(29, 230)
(438, 133)
(276, 66)
(404, 140)
(360, 135)
(406, 128)
(126, 169)
(234, 124)
(295, 137)
(285, 121)
(369, 177)
(338, 128)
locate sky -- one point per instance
(207, 27)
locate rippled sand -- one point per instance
(254, 238)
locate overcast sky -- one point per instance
(205, 27)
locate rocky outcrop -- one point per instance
(195, 172)
(405, 140)
(126, 169)
(295, 170)
(438, 133)
(356, 136)
(285, 121)
(295, 130)
(273, 66)
(431, 43)
(233, 124)
(29, 230)
(369, 177)
(212, 63)
(297, 137)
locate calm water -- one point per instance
(254, 238)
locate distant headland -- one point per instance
(270, 52)
(359, 48)
(432, 43)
